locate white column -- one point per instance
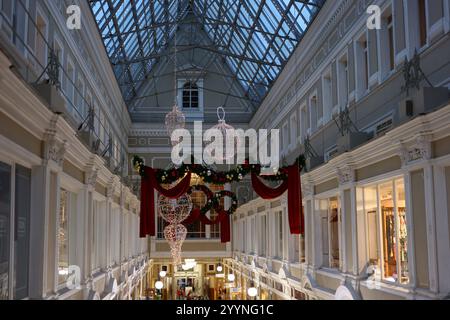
(40, 190)
(53, 238)
(442, 231)
(431, 228)
(410, 230)
(354, 229)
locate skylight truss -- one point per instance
(255, 38)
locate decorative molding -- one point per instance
(420, 150)
(91, 177)
(54, 149)
(346, 175)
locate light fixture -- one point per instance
(176, 118)
(231, 277)
(162, 273)
(224, 128)
(159, 285)
(188, 264)
(252, 291)
(219, 268)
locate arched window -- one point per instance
(190, 95)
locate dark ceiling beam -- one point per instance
(121, 43)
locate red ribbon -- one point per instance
(293, 186)
(149, 183)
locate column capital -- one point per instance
(416, 151)
(346, 174)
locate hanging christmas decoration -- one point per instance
(175, 211)
(229, 139)
(175, 234)
(174, 120)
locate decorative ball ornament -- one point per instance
(223, 127)
(175, 211)
(175, 120)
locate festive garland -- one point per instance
(213, 200)
(210, 176)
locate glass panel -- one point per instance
(388, 230)
(323, 211)
(403, 235)
(22, 231)
(5, 216)
(334, 232)
(371, 207)
(63, 237)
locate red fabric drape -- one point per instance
(295, 208)
(266, 192)
(293, 186)
(225, 230)
(224, 221)
(149, 183)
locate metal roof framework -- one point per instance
(255, 38)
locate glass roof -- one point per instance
(256, 38)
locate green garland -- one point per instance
(210, 176)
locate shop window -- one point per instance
(330, 221)
(15, 240)
(63, 237)
(5, 238)
(387, 238)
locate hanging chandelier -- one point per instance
(223, 127)
(175, 119)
